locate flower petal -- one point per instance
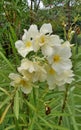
(19, 44)
(26, 65)
(33, 31)
(24, 37)
(46, 28)
(27, 89)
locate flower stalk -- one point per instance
(64, 105)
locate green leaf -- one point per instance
(30, 105)
(16, 105)
(51, 125)
(4, 102)
(6, 60)
(5, 91)
(72, 118)
(4, 113)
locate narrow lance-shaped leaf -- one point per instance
(16, 105)
(7, 61)
(4, 113)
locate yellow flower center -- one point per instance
(42, 39)
(56, 58)
(23, 82)
(28, 44)
(51, 71)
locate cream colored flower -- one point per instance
(42, 38)
(59, 59)
(45, 41)
(56, 70)
(24, 46)
(52, 77)
(36, 72)
(67, 77)
(55, 79)
(40, 73)
(47, 48)
(28, 65)
(20, 81)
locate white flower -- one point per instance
(47, 48)
(52, 77)
(55, 66)
(45, 40)
(16, 79)
(36, 72)
(40, 73)
(22, 82)
(24, 46)
(58, 79)
(67, 77)
(59, 60)
(42, 38)
(26, 65)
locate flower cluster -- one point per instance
(50, 62)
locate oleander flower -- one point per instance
(49, 62)
(55, 79)
(60, 58)
(36, 71)
(24, 46)
(52, 77)
(21, 81)
(26, 64)
(45, 40)
(40, 73)
(47, 48)
(66, 77)
(43, 36)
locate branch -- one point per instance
(38, 5)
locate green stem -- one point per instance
(63, 106)
(34, 96)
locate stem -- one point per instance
(38, 5)
(34, 96)
(27, 110)
(63, 106)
